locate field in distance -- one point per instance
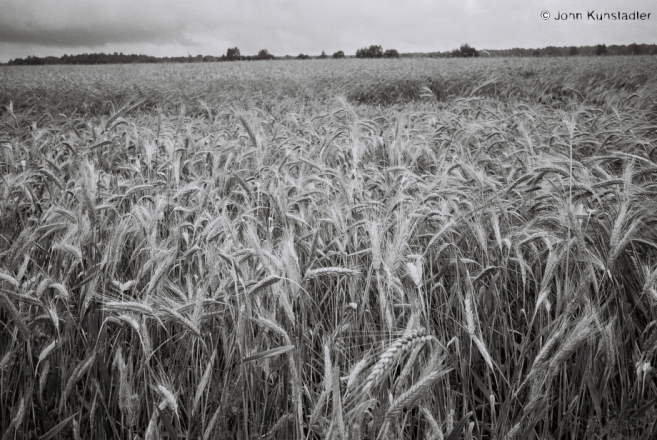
(412, 248)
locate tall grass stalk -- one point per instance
(413, 248)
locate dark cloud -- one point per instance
(74, 23)
(84, 36)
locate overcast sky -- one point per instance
(290, 27)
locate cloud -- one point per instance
(72, 23)
(173, 27)
(86, 36)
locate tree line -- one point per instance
(549, 51)
(376, 52)
(570, 51)
(373, 51)
(232, 54)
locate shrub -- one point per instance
(264, 55)
(233, 54)
(465, 51)
(370, 52)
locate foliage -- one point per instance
(92, 58)
(635, 49)
(413, 249)
(391, 53)
(465, 51)
(375, 52)
(233, 54)
(323, 56)
(644, 49)
(303, 57)
(370, 52)
(338, 54)
(263, 54)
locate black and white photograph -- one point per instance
(309, 220)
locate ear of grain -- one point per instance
(184, 322)
(168, 398)
(583, 331)
(43, 377)
(373, 229)
(280, 423)
(128, 401)
(76, 430)
(151, 430)
(411, 396)
(392, 354)
(411, 364)
(13, 311)
(435, 427)
(129, 306)
(77, 374)
(330, 271)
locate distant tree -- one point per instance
(323, 55)
(601, 49)
(370, 52)
(233, 54)
(303, 57)
(338, 54)
(264, 55)
(465, 51)
(33, 61)
(552, 51)
(391, 53)
(536, 53)
(635, 49)
(573, 51)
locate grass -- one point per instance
(329, 249)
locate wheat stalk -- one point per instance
(7, 359)
(128, 402)
(11, 308)
(129, 306)
(168, 399)
(582, 331)
(45, 370)
(392, 354)
(282, 421)
(330, 271)
(76, 430)
(75, 376)
(435, 427)
(411, 396)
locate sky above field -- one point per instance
(290, 27)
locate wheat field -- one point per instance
(355, 249)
